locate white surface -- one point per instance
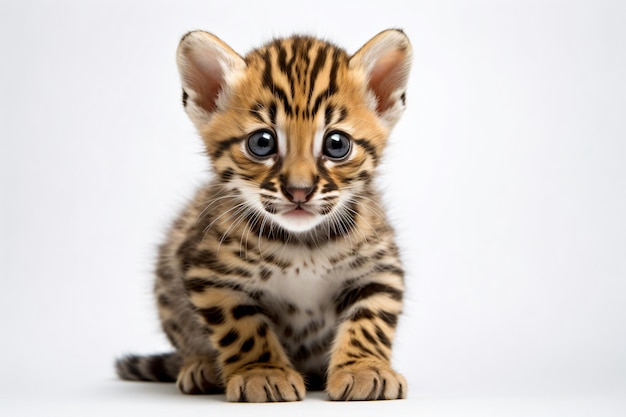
(131, 399)
(505, 178)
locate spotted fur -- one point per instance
(282, 272)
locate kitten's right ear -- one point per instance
(208, 68)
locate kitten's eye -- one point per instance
(262, 144)
(337, 145)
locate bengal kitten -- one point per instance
(282, 273)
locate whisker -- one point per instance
(227, 212)
(211, 203)
(234, 224)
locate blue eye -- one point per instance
(262, 144)
(337, 145)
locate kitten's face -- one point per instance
(297, 134)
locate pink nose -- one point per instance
(298, 194)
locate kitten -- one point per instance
(282, 273)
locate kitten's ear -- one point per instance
(208, 68)
(386, 61)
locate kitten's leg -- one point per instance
(359, 367)
(197, 373)
(251, 361)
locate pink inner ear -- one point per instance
(386, 77)
(205, 76)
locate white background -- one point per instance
(505, 178)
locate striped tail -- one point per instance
(155, 368)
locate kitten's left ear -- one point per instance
(386, 61)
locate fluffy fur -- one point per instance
(282, 273)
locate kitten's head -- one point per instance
(296, 128)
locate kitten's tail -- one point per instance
(157, 368)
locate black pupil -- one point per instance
(262, 144)
(337, 145)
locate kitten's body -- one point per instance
(284, 265)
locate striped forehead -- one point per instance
(301, 73)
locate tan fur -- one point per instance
(255, 303)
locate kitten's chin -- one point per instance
(298, 220)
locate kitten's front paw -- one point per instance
(365, 380)
(264, 383)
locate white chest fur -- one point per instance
(307, 284)
(300, 297)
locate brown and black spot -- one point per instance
(292, 308)
(328, 182)
(257, 112)
(200, 284)
(362, 313)
(329, 186)
(338, 58)
(274, 260)
(358, 262)
(232, 359)
(392, 269)
(264, 357)
(262, 329)
(265, 274)
(270, 181)
(371, 351)
(229, 338)
(352, 294)
(268, 82)
(365, 176)
(247, 344)
(368, 336)
(389, 318)
(220, 147)
(380, 254)
(288, 331)
(245, 310)
(185, 97)
(268, 203)
(382, 336)
(213, 315)
(192, 257)
(328, 114)
(149, 368)
(227, 175)
(163, 300)
(368, 147)
(326, 208)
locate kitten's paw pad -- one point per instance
(265, 384)
(365, 381)
(198, 377)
